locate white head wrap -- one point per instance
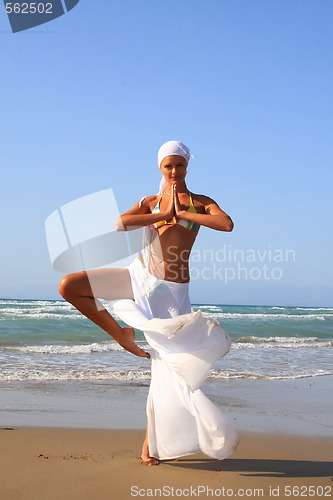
(172, 148)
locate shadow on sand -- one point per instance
(258, 467)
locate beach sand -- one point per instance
(39, 463)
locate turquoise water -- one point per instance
(50, 341)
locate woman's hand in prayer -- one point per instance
(170, 211)
(178, 207)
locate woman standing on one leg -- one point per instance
(173, 218)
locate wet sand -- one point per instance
(297, 406)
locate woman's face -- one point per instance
(173, 169)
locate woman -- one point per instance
(157, 282)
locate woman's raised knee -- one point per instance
(75, 285)
(66, 286)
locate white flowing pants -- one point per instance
(185, 345)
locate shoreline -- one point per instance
(58, 298)
(39, 463)
(299, 406)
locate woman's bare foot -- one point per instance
(145, 456)
(127, 342)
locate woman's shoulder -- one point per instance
(150, 198)
(202, 198)
(146, 201)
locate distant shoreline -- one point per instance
(60, 299)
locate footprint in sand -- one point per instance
(86, 456)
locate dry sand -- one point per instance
(60, 464)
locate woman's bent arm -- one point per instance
(220, 222)
(140, 216)
(129, 222)
(213, 217)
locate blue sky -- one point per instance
(87, 99)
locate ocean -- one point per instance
(43, 340)
(48, 344)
